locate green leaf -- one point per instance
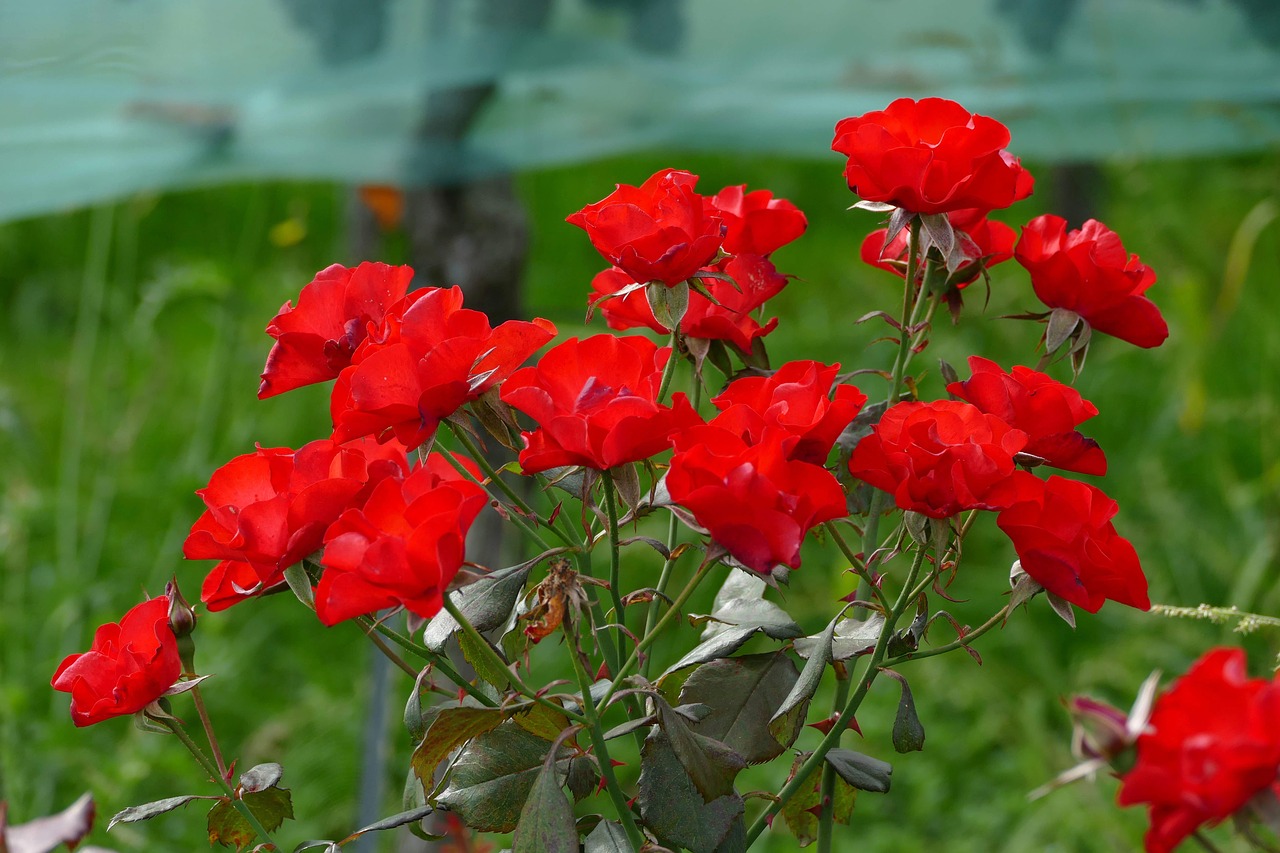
(799, 812)
(300, 582)
(484, 664)
(540, 720)
(260, 777)
(743, 694)
(861, 771)
(672, 808)
(492, 777)
(546, 821)
(908, 733)
(487, 604)
(417, 715)
(395, 820)
(788, 721)
(608, 837)
(1062, 322)
(231, 829)
(582, 777)
(669, 304)
(738, 613)
(709, 763)
(146, 811)
(852, 637)
(453, 726)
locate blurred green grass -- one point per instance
(128, 367)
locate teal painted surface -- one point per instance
(100, 98)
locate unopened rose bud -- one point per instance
(182, 618)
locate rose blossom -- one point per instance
(1039, 405)
(659, 231)
(595, 403)
(1212, 743)
(267, 510)
(129, 665)
(403, 547)
(940, 458)
(795, 399)
(1062, 532)
(1088, 271)
(755, 222)
(430, 357)
(752, 498)
(930, 156)
(316, 339)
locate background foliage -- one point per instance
(132, 339)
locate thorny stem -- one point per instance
(208, 729)
(857, 564)
(591, 718)
(440, 662)
(851, 706)
(961, 643)
(650, 637)
(908, 305)
(487, 650)
(668, 567)
(507, 489)
(669, 370)
(515, 517)
(826, 796)
(203, 760)
(615, 582)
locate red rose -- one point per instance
(128, 666)
(595, 403)
(1088, 272)
(660, 231)
(930, 156)
(940, 458)
(315, 340)
(980, 239)
(752, 498)
(430, 358)
(404, 546)
(269, 509)
(755, 281)
(1212, 743)
(756, 223)
(1039, 405)
(796, 400)
(1062, 532)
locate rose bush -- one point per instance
(699, 452)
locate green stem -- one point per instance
(668, 567)
(908, 305)
(858, 565)
(208, 729)
(514, 517)
(961, 643)
(669, 370)
(203, 760)
(615, 560)
(832, 737)
(495, 660)
(826, 798)
(440, 662)
(650, 637)
(591, 718)
(507, 488)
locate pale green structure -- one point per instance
(100, 98)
